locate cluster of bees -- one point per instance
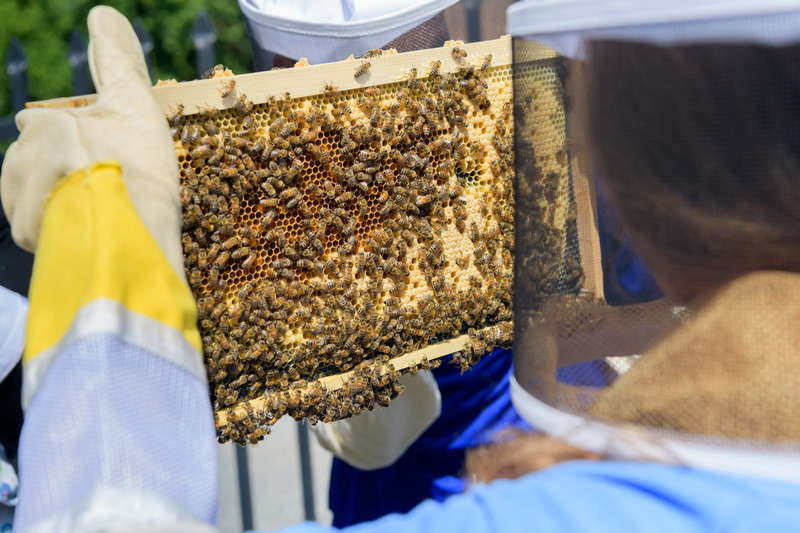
(331, 234)
(548, 249)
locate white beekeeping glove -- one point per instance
(376, 439)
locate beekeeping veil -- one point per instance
(323, 30)
(712, 386)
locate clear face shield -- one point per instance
(683, 111)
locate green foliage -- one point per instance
(44, 26)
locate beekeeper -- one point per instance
(119, 433)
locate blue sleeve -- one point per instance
(584, 497)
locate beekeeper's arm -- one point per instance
(119, 429)
(376, 439)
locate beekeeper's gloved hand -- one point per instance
(376, 439)
(116, 397)
(124, 127)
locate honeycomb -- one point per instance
(550, 252)
(336, 239)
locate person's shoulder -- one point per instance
(644, 496)
(601, 496)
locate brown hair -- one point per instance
(517, 454)
(699, 147)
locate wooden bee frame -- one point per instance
(320, 151)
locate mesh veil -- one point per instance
(712, 384)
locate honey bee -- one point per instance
(348, 229)
(245, 290)
(347, 148)
(175, 118)
(434, 70)
(330, 89)
(281, 263)
(286, 273)
(332, 267)
(288, 129)
(247, 123)
(408, 173)
(362, 69)
(247, 232)
(297, 201)
(225, 172)
(230, 243)
(216, 157)
(269, 218)
(227, 89)
(200, 152)
(344, 197)
(210, 127)
(269, 189)
(195, 279)
(397, 104)
(222, 259)
(191, 134)
(373, 52)
(240, 252)
(323, 156)
(388, 207)
(235, 312)
(366, 103)
(344, 108)
(372, 92)
(458, 53)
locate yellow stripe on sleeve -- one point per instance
(93, 245)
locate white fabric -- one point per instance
(565, 25)
(325, 30)
(108, 316)
(13, 317)
(111, 414)
(636, 443)
(376, 439)
(110, 510)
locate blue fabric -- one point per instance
(602, 497)
(476, 405)
(626, 278)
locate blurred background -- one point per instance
(45, 28)
(43, 43)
